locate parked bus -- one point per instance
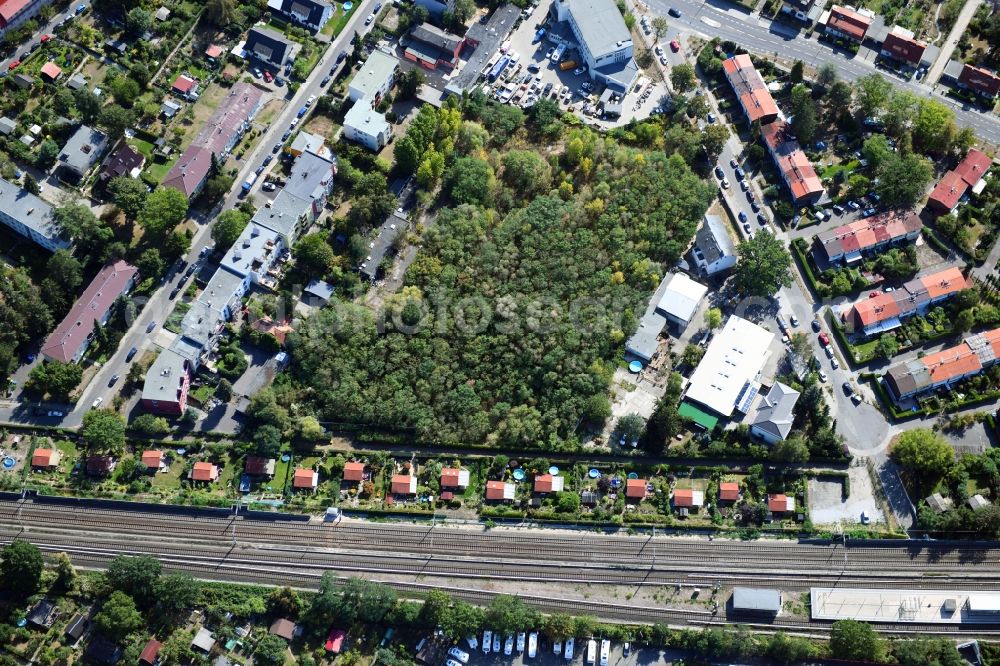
(498, 68)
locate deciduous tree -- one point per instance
(764, 266)
(20, 568)
(165, 209)
(923, 452)
(104, 430)
(129, 194)
(118, 616)
(682, 77)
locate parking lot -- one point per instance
(546, 657)
(571, 87)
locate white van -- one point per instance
(569, 648)
(487, 641)
(605, 651)
(591, 657)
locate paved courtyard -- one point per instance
(826, 506)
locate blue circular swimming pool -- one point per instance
(8, 463)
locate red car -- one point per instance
(675, 46)
(13, 65)
(825, 339)
(267, 76)
(45, 38)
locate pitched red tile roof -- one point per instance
(683, 497)
(973, 166)
(184, 84)
(495, 490)
(849, 22)
(635, 488)
(729, 491)
(10, 9)
(449, 477)
(750, 88)
(51, 70)
(150, 652)
(305, 478)
(948, 281)
(152, 459)
(947, 192)
(981, 79)
(904, 48)
(401, 484)
(544, 483)
(777, 503)
(796, 169)
(44, 458)
(354, 471)
(204, 471)
(868, 232)
(213, 51)
(873, 310)
(72, 332)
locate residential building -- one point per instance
(305, 479)
(170, 108)
(899, 45)
(887, 311)
(267, 47)
(979, 80)
(680, 299)
(849, 243)
(365, 125)
(714, 251)
(13, 13)
(76, 628)
(944, 368)
(213, 52)
(205, 472)
(847, 23)
(82, 150)
(939, 503)
(404, 484)
(603, 40)
(70, 339)
(354, 471)
(499, 491)
(775, 414)
(729, 491)
(7, 126)
(547, 483)
(686, 498)
(152, 460)
(307, 142)
(203, 641)
(45, 458)
(956, 182)
(780, 503)
(254, 254)
(217, 138)
(125, 161)
(376, 77)
(186, 86)
(311, 180)
(754, 601)
(259, 466)
(309, 14)
(795, 168)
(432, 47)
(635, 489)
(318, 292)
(285, 217)
(750, 89)
(166, 386)
(31, 217)
(645, 342)
(453, 477)
(728, 376)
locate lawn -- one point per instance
(281, 473)
(338, 21)
(832, 170)
(157, 171)
(171, 478)
(143, 146)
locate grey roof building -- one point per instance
(76, 82)
(756, 600)
(714, 251)
(82, 150)
(7, 126)
(285, 214)
(774, 417)
(603, 40)
(938, 503)
(31, 217)
(311, 180)
(310, 14)
(267, 46)
(319, 292)
(485, 39)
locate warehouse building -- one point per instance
(728, 376)
(603, 40)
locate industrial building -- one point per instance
(603, 40)
(728, 376)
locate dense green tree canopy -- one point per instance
(764, 266)
(20, 568)
(924, 452)
(104, 430)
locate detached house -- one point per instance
(70, 339)
(354, 471)
(45, 458)
(685, 498)
(847, 23)
(775, 414)
(309, 14)
(499, 491)
(979, 80)
(204, 472)
(267, 47)
(305, 479)
(900, 46)
(453, 477)
(404, 484)
(635, 489)
(547, 483)
(152, 460)
(780, 503)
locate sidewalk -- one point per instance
(948, 47)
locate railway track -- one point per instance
(416, 558)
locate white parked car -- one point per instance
(496, 642)
(452, 662)
(459, 654)
(532, 644)
(97, 403)
(605, 651)
(508, 646)
(487, 641)
(569, 648)
(557, 648)
(473, 643)
(520, 641)
(822, 376)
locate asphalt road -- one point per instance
(719, 18)
(159, 306)
(49, 28)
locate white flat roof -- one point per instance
(896, 606)
(734, 358)
(682, 296)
